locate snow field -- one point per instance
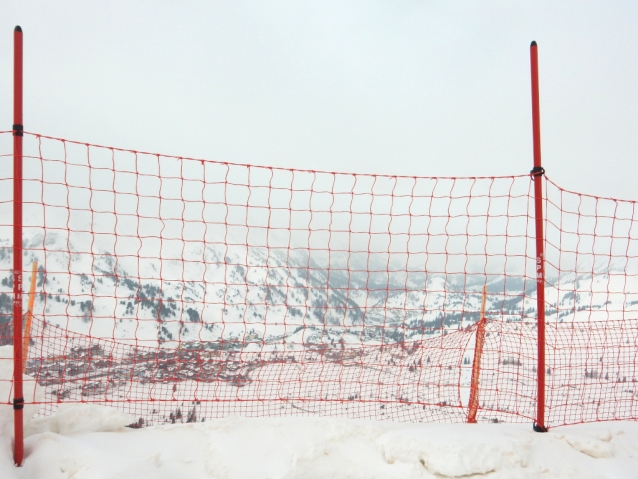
(90, 442)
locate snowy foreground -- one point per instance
(86, 441)
(90, 442)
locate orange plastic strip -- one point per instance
(476, 365)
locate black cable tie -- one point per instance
(18, 130)
(537, 171)
(538, 428)
(18, 403)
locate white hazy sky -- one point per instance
(399, 87)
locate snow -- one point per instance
(316, 448)
(83, 441)
(79, 418)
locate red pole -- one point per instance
(18, 399)
(537, 175)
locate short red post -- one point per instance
(18, 397)
(537, 175)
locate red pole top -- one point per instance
(17, 75)
(536, 114)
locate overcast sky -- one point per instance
(398, 87)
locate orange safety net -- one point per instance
(181, 290)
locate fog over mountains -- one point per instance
(255, 298)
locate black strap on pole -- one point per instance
(537, 171)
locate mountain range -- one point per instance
(251, 298)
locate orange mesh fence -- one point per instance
(180, 289)
(592, 299)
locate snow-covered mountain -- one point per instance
(252, 298)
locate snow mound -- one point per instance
(598, 446)
(80, 418)
(478, 450)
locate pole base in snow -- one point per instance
(538, 428)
